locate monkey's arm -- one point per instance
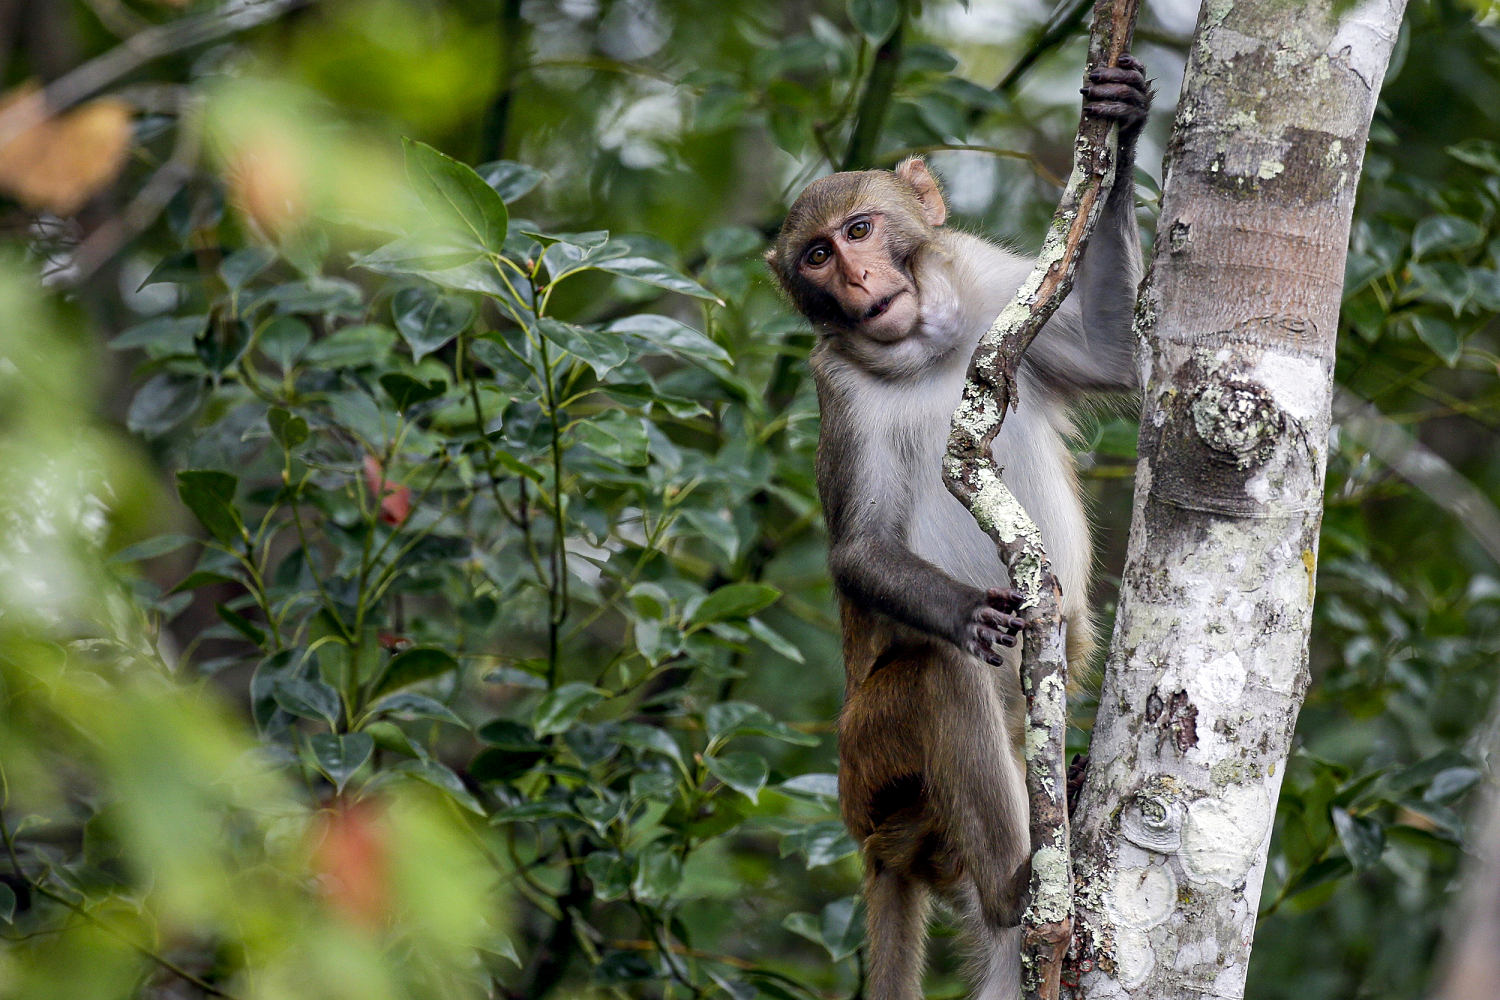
(866, 498)
(1089, 346)
(880, 573)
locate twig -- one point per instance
(41, 889)
(970, 474)
(133, 53)
(112, 235)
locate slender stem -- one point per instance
(41, 889)
(869, 120)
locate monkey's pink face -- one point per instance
(852, 264)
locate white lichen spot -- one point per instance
(1222, 836)
(1221, 682)
(1143, 897)
(1269, 169)
(1050, 866)
(1133, 957)
(1200, 953)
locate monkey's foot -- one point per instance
(1119, 93)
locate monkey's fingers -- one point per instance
(1128, 61)
(986, 652)
(1004, 598)
(988, 617)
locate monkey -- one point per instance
(931, 780)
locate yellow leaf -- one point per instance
(58, 163)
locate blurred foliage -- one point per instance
(422, 592)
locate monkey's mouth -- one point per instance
(880, 307)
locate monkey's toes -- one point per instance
(1126, 114)
(1123, 93)
(1128, 61)
(1132, 78)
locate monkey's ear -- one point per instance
(913, 171)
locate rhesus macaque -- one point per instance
(931, 782)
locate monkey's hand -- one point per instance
(1120, 93)
(993, 621)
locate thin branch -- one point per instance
(115, 233)
(41, 889)
(133, 53)
(970, 474)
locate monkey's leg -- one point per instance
(977, 784)
(896, 933)
(995, 956)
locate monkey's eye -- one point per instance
(818, 256)
(858, 229)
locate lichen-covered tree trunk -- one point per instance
(1209, 660)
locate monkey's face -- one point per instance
(848, 248)
(857, 277)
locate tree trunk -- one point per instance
(1209, 660)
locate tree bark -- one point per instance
(1209, 659)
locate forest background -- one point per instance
(411, 579)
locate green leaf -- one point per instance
(7, 904)
(743, 771)
(1479, 153)
(1449, 784)
(778, 642)
(1443, 281)
(615, 435)
(658, 872)
(284, 340)
(162, 335)
(728, 719)
(1445, 234)
(649, 738)
(734, 600)
(412, 666)
(665, 335)
(428, 319)
(241, 624)
(875, 19)
(821, 843)
(353, 346)
(308, 699)
(456, 194)
(441, 777)
(407, 392)
(837, 928)
(339, 755)
(509, 179)
(151, 548)
(820, 786)
(561, 708)
(165, 401)
(222, 343)
(656, 273)
(410, 705)
(610, 873)
(1363, 837)
(1440, 335)
(289, 429)
(209, 494)
(603, 352)
(244, 264)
